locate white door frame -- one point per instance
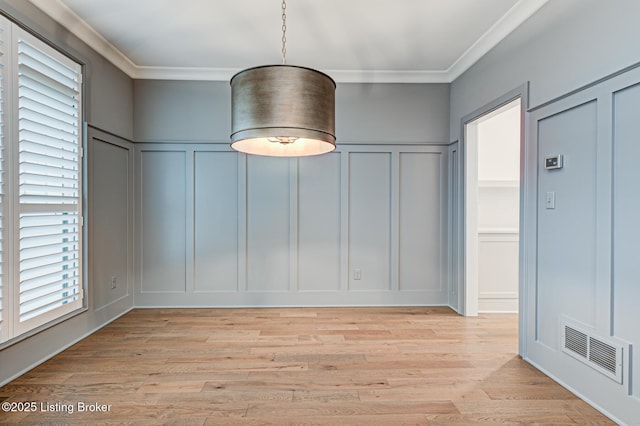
(468, 241)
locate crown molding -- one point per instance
(387, 76)
(66, 17)
(183, 73)
(340, 76)
(514, 17)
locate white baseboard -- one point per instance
(498, 302)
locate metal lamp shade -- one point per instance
(282, 111)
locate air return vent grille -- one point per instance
(598, 353)
(575, 341)
(603, 354)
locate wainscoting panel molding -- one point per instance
(268, 218)
(566, 241)
(626, 232)
(319, 226)
(422, 238)
(370, 221)
(586, 259)
(111, 242)
(162, 223)
(498, 270)
(216, 219)
(364, 225)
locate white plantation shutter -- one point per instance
(49, 263)
(49, 183)
(4, 311)
(41, 232)
(49, 128)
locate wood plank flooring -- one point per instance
(303, 366)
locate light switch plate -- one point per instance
(550, 200)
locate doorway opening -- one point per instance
(491, 214)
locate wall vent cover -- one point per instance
(575, 341)
(597, 352)
(603, 354)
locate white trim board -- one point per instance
(498, 302)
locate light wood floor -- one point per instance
(368, 366)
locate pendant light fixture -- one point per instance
(282, 110)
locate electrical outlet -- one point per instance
(357, 274)
(114, 283)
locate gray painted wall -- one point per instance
(626, 232)
(292, 232)
(108, 198)
(187, 111)
(392, 113)
(564, 46)
(199, 111)
(586, 252)
(218, 228)
(579, 256)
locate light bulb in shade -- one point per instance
(285, 140)
(287, 147)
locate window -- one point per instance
(4, 329)
(40, 183)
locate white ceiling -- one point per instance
(352, 40)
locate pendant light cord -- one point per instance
(284, 32)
